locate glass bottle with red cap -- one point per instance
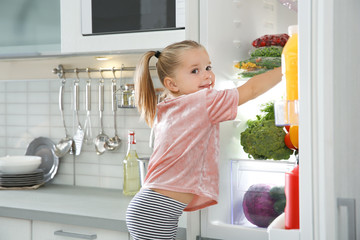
(131, 168)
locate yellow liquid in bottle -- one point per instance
(290, 67)
(132, 182)
(290, 72)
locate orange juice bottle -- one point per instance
(289, 63)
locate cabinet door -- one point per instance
(56, 231)
(9, 229)
(29, 28)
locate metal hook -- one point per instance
(77, 75)
(102, 77)
(88, 72)
(113, 71)
(121, 76)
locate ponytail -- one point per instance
(145, 97)
(168, 60)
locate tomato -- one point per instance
(287, 127)
(294, 135)
(288, 142)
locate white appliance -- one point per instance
(329, 109)
(114, 16)
(121, 34)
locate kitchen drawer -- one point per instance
(9, 229)
(55, 231)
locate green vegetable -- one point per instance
(265, 62)
(268, 109)
(272, 51)
(277, 193)
(262, 139)
(279, 206)
(249, 74)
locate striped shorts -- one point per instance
(151, 215)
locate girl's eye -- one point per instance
(195, 71)
(208, 68)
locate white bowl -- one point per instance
(19, 164)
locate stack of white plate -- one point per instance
(22, 179)
(38, 166)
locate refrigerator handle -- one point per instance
(349, 203)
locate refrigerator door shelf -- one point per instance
(277, 230)
(281, 234)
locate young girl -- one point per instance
(183, 169)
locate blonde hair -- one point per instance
(168, 60)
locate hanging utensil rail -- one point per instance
(60, 70)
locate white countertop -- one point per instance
(84, 206)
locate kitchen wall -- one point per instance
(29, 109)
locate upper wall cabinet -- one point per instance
(126, 26)
(29, 28)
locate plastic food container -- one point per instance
(252, 204)
(19, 164)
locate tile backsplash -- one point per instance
(30, 109)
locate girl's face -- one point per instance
(194, 72)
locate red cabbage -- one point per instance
(258, 205)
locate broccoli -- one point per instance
(263, 139)
(277, 193)
(279, 206)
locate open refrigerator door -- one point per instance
(228, 30)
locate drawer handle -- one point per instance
(349, 203)
(75, 235)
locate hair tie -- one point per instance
(157, 54)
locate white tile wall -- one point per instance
(29, 109)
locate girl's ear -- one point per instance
(170, 85)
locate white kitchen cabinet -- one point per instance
(72, 40)
(29, 28)
(56, 231)
(9, 229)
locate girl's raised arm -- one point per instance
(258, 85)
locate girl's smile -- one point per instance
(208, 84)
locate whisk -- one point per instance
(88, 139)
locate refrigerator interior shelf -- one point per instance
(253, 184)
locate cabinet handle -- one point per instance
(351, 213)
(75, 235)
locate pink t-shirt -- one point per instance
(186, 147)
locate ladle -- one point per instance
(65, 144)
(113, 143)
(101, 139)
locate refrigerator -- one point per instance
(329, 82)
